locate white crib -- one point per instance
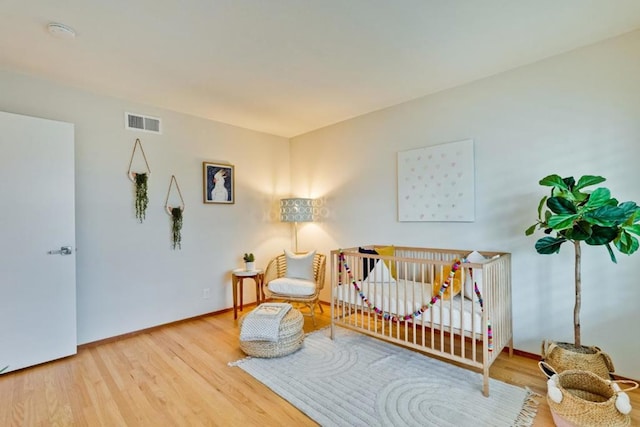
(392, 297)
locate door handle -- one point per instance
(64, 250)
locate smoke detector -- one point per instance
(61, 31)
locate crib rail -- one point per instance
(401, 303)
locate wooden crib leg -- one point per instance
(485, 381)
(333, 312)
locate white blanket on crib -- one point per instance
(405, 297)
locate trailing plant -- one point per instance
(142, 200)
(596, 218)
(248, 257)
(176, 227)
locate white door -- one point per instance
(37, 215)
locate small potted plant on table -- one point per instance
(249, 261)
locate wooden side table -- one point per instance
(237, 277)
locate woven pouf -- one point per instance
(290, 337)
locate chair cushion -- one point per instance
(292, 286)
(300, 266)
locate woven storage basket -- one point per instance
(562, 358)
(586, 399)
(290, 338)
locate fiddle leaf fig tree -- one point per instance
(571, 214)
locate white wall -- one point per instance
(574, 114)
(128, 277)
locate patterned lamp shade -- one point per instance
(296, 210)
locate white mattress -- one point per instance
(403, 297)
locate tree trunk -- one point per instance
(576, 309)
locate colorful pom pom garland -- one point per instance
(389, 316)
(342, 264)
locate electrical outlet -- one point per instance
(206, 293)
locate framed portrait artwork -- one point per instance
(218, 183)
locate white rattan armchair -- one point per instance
(308, 294)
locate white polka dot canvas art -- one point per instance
(437, 183)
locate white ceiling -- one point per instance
(287, 67)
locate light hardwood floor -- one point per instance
(177, 375)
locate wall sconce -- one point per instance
(296, 210)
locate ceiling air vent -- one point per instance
(143, 123)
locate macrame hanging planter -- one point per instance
(140, 181)
(176, 215)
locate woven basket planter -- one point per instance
(290, 338)
(564, 356)
(583, 399)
